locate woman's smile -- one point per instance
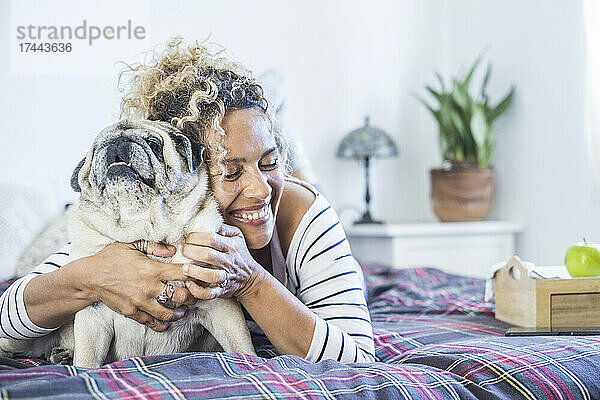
(250, 190)
(256, 215)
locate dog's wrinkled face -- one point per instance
(135, 161)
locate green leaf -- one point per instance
(459, 154)
(441, 81)
(467, 80)
(435, 94)
(460, 96)
(444, 145)
(430, 108)
(461, 119)
(481, 129)
(502, 106)
(486, 78)
(465, 122)
(489, 148)
(458, 123)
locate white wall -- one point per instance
(342, 60)
(345, 59)
(543, 176)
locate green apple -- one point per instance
(583, 260)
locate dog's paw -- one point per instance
(62, 356)
(9, 347)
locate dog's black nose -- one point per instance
(123, 150)
(119, 150)
(122, 139)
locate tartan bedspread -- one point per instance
(435, 338)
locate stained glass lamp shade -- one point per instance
(363, 144)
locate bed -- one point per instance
(435, 338)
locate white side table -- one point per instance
(464, 248)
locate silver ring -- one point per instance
(223, 283)
(165, 298)
(141, 245)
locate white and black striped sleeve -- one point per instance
(14, 321)
(329, 282)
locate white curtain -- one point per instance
(591, 19)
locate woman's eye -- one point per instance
(270, 166)
(231, 176)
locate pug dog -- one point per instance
(140, 180)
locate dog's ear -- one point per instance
(197, 154)
(75, 176)
(191, 149)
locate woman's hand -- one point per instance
(223, 264)
(127, 281)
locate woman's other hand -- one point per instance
(222, 264)
(127, 281)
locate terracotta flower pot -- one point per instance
(462, 194)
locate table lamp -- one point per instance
(363, 144)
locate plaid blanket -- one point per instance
(435, 338)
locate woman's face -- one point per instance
(249, 192)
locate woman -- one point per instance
(282, 251)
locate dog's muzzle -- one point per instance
(119, 155)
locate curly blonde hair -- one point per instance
(193, 89)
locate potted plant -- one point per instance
(462, 190)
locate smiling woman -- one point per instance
(292, 241)
(281, 252)
(250, 191)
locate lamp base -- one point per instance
(366, 219)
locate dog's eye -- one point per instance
(156, 147)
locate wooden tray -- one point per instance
(545, 303)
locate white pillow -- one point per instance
(24, 211)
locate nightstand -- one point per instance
(464, 248)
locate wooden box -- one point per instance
(545, 303)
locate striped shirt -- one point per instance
(324, 275)
(320, 271)
(14, 321)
